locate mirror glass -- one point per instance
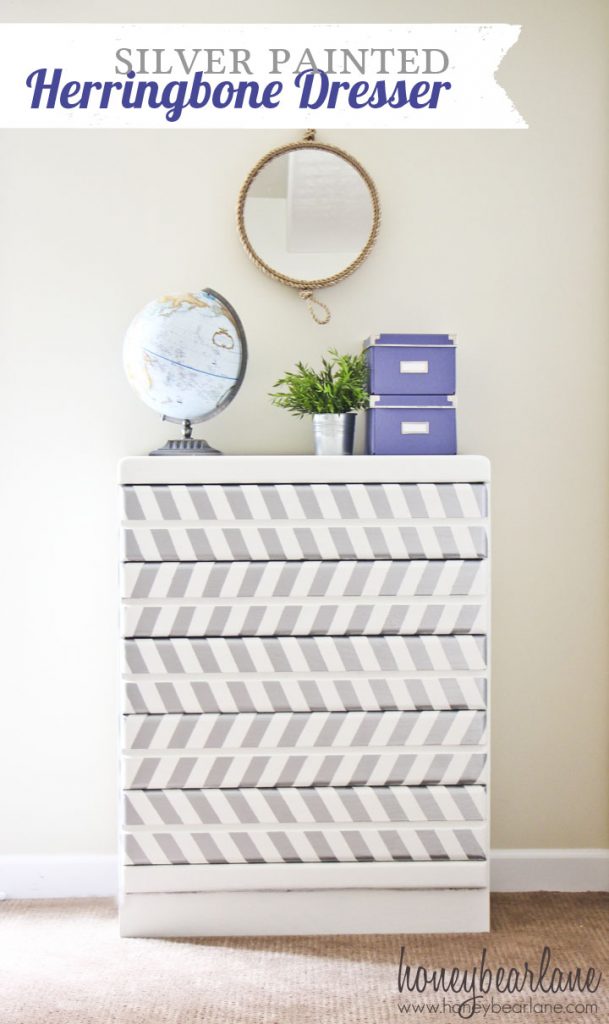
(308, 214)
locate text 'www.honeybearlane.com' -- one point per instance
(316, 88)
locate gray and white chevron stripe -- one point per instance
(155, 696)
(305, 501)
(305, 845)
(289, 729)
(224, 580)
(352, 768)
(313, 618)
(306, 654)
(285, 542)
(194, 807)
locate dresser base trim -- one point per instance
(180, 878)
(312, 912)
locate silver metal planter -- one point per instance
(334, 433)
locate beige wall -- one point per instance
(498, 236)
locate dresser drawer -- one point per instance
(295, 543)
(196, 807)
(305, 654)
(297, 845)
(286, 502)
(289, 693)
(310, 617)
(191, 580)
(292, 730)
(271, 770)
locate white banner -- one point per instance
(254, 76)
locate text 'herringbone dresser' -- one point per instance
(304, 694)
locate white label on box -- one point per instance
(415, 427)
(414, 366)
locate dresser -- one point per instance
(304, 693)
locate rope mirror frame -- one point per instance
(306, 288)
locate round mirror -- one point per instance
(308, 215)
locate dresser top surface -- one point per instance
(240, 469)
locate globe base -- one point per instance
(186, 446)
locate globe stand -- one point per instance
(187, 445)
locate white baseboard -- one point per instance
(549, 870)
(33, 877)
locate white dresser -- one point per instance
(305, 694)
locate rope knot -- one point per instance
(309, 297)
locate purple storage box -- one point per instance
(411, 364)
(413, 425)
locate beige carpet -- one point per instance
(62, 961)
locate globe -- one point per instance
(185, 355)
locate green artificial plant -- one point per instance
(340, 386)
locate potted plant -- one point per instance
(332, 396)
